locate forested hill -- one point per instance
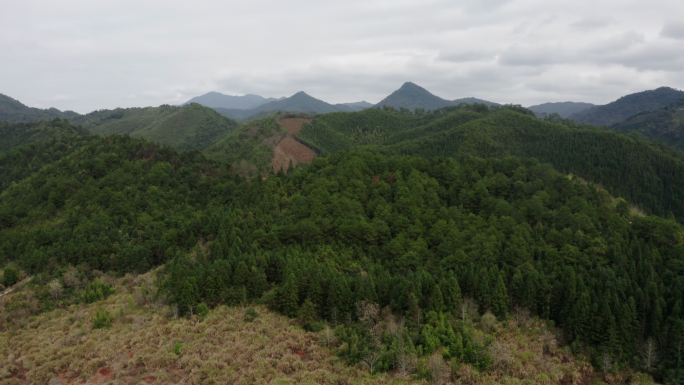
(414, 235)
(629, 105)
(25, 148)
(428, 216)
(665, 125)
(190, 127)
(12, 110)
(647, 175)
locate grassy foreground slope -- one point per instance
(146, 344)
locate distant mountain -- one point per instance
(563, 109)
(190, 127)
(628, 106)
(665, 125)
(236, 113)
(353, 107)
(299, 102)
(412, 96)
(12, 110)
(237, 102)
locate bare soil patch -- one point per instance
(293, 124)
(290, 152)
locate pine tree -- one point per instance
(500, 298)
(307, 315)
(287, 299)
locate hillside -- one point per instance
(144, 344)
(562, 109)
(333, 243)
(263, 146)
(14, 111)
(151, 195)
(628, 106)
(647, 175)
(27, 147)
(190, 127)
(665, 125)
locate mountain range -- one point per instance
(409, 96)
(653, 114)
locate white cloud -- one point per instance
(84, 54)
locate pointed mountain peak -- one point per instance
(301, 94)
(412, 96)
(412, 86)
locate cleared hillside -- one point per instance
(146, 344)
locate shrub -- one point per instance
(96, 291)
(10, 276)
(202, 310)
(250, 314)
(103, 319)
(178, 348)
(55, 289)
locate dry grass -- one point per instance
(141, 346)
(146, 344)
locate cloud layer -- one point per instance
(85, 55)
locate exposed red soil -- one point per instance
(103, 375)
(289, 152)
(293, 124)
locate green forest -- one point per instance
(418, 217)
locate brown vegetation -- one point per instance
(293, 124)
(289, 153)
(147, 344)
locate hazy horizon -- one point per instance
(81, 55)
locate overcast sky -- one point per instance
(90, 54)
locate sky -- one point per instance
(84, 55)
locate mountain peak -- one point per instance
(412, 96)
(410, 85)
(301, 94)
